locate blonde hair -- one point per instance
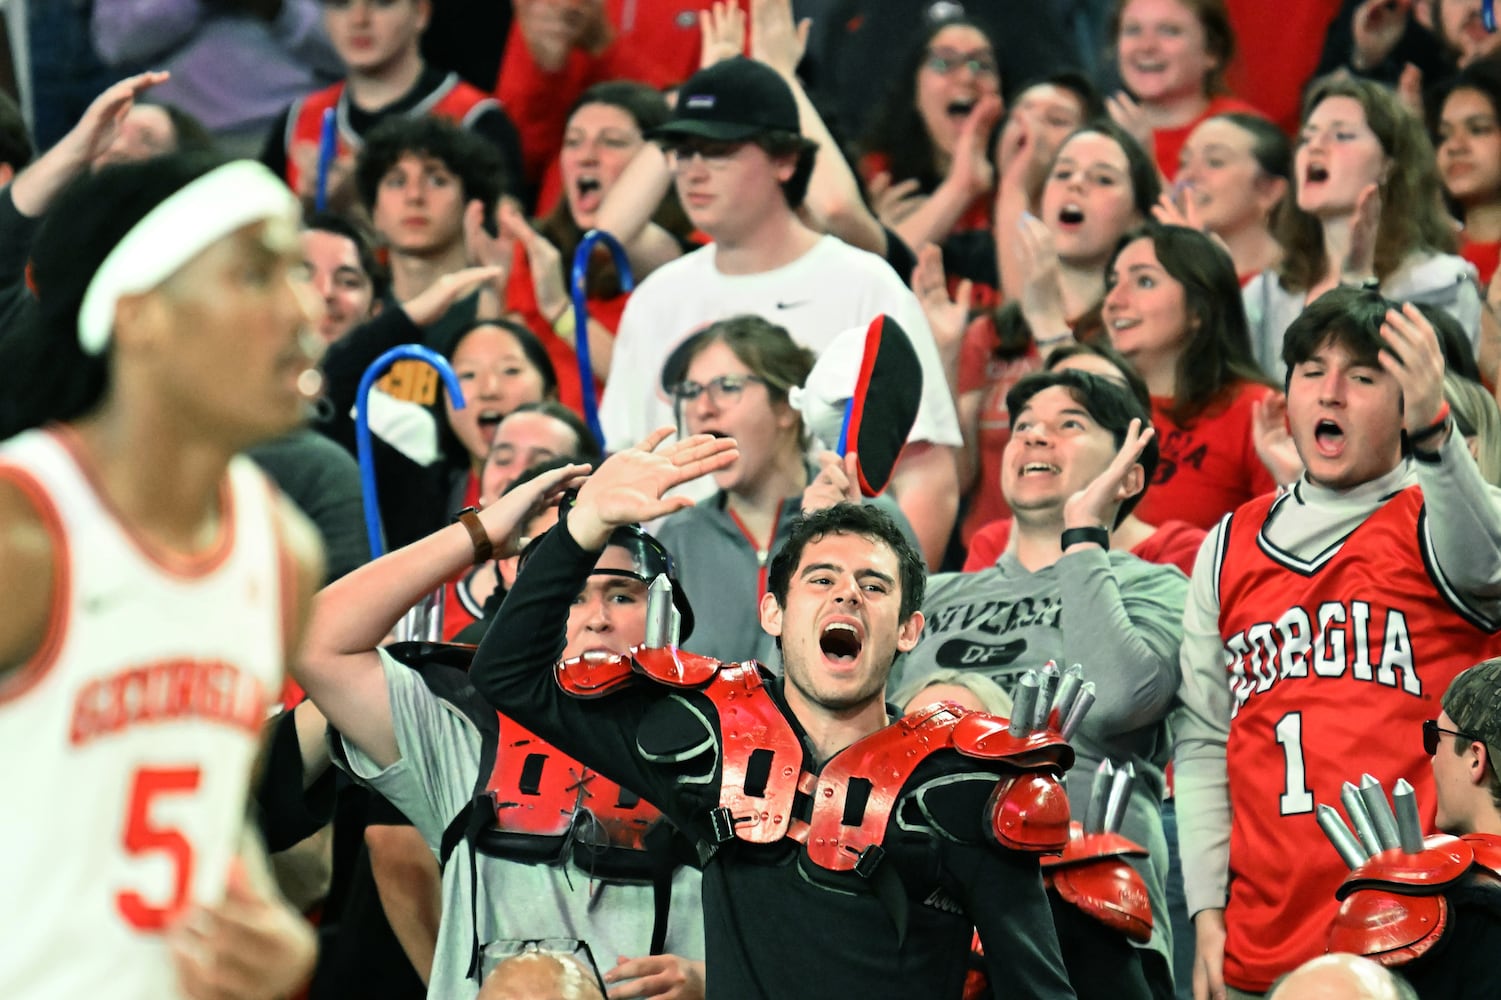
(994, 697)
(1477, 415)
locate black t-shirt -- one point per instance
(776, 925)
(1462, 964)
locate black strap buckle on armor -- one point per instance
(869, 860)
(722, 825)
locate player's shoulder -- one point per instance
(32, 547)
(300, 543)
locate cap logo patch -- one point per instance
(701, 101)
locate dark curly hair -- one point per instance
(476, 163)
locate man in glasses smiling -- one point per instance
(742, 166)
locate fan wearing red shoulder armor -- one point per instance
(840, 845)
(515, 824)
(1435, 917)
(1348, 602)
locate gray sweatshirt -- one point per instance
(1118, 617)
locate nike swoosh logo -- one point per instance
(103, 600)
(793, 305)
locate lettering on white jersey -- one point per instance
(168, 690)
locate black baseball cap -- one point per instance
(733, 100)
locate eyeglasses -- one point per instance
(511, 947)
(715, 153)
(1431, 733)
(945, 61)
(724, 389)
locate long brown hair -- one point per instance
(1217, 350)
(647, 108)
(1412, 215)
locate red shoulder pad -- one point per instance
(1442, 861)
(1108, 889)
(594, 674)
(1029, 812)
(675, 667)
(1087, 847)
(754, 734)
(884, 760)
(1487, 848)
(1386, 927)
(980, 734)
(537, 789)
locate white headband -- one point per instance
(171, 234)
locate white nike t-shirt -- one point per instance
(827, 290)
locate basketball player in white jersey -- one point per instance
(152, 587)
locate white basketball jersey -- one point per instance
(127, 743)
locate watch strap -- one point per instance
(1097, 535)
(484, 549)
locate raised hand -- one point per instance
(776, 39)
(1375, 28)
(970, 167)
(304, 156)
(1130, 116)
(838, 481)
(894, 202)
(101, 120)
(1412, 355)
(1095, 505)
(1270, 437)
(721, 29)
(544, 260)
(504, 518)
(480, 247)
(949, 317)
(628, 486)
(1171, 213)
(1042, 282)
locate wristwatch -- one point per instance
(484, 549)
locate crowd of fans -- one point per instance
(1206, 310)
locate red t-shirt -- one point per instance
(980, 370)
(521, 299)
(1168, 142)
(1277, 48)
(1209, 467)
(1175, 543)
(1485, 257)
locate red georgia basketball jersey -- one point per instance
(1332, 666)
